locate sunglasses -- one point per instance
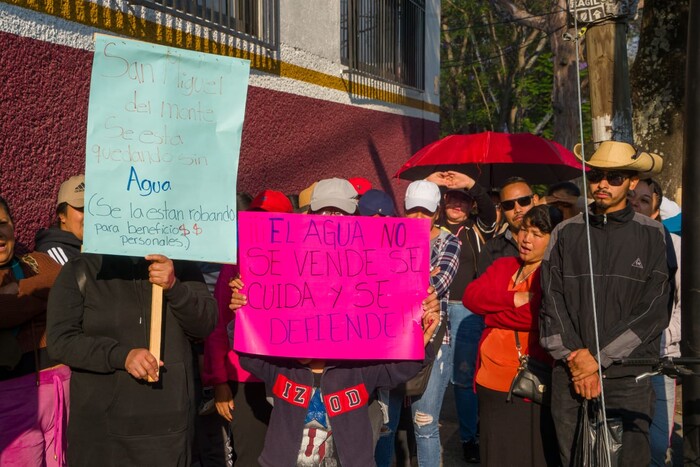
(523, 201)
(613, 178)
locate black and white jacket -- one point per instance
(59, 244)
(632, 289)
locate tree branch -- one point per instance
(522, 15)
(483, 96)
(540, 126)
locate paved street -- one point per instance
(452, 454)
(449, 432)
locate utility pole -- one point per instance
(690, 249)
(608, 81)
(608, 70)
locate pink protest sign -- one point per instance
(332, 287)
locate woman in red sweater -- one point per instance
(508, 295)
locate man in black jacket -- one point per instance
(626, 312)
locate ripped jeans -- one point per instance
(393, 402)
(425, 410)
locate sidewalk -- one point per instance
(452, 447)
(449, 432)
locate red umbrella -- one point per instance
(491, 158)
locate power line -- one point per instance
(507, 51)
(510, 21)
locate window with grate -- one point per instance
(252, 20)
(384, 39)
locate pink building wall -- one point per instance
(289, 141)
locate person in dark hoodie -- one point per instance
(98, 321)
(63, 240)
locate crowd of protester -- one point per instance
(509, 277)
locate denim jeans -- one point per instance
(425, 410)
(662, 423)
(466, 330)
(427, 407)
(384, 451)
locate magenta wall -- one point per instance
(289, 141)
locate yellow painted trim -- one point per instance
(126, 24)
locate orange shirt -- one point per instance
(498, 357)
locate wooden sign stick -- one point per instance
(156, 324)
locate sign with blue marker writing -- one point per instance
(163, 140)
(332, 287)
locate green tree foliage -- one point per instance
(535, 102)
(487, 63)
(498, 67)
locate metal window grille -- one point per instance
(253, 20)
(384, 39)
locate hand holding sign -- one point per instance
(332, 287)
(161, 272)
(430, 320)
(237, 298)
(141, 364)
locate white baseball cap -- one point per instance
(422, 194)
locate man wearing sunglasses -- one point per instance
(517, 199)
(630, 311)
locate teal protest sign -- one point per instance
(163, 139)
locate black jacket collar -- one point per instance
(614, 218)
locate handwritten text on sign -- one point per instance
(331, 286)
(164, 133)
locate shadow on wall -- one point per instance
(48, 88)
(366, 89)
(384, 177)
(305, 140)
